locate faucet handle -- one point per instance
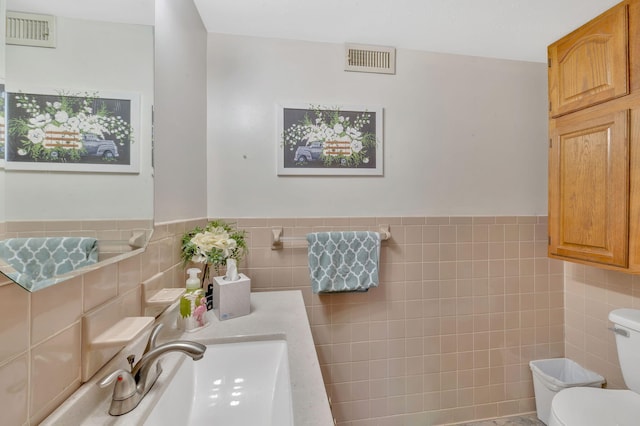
(131, 359)
(125, 384)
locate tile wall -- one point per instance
(591, 293)
(463, 305)
(40, 333)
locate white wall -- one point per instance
(89, 56)
(180, 112)
(462, 135)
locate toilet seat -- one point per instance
(583, 406)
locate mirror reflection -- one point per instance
(2, 124)
(57, 220)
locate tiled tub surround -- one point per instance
(464, 304)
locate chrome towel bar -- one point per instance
(277, 239)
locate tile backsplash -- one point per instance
(41, 332)
(464, 304)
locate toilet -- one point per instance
(584, 406)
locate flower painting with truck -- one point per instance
(317, 140)
(71, 131)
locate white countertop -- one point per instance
(273, 314)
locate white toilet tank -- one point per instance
(627, 328)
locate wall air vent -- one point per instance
(30, 29)
(364, 58)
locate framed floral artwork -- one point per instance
(320, 140)
(72, 131)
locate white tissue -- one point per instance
(232, 270)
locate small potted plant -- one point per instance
(217, 244)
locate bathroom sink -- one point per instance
(239, 383)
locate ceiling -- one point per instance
(126, 11)
(507, 29)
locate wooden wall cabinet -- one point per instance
(594, 142)
(588, 188)
(590, 65)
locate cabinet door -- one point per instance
(590, 65)
(589, 188)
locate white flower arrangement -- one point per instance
(213, 245)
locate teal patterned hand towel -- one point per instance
(343, 261)
(37, 259)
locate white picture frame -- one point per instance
(72, 130)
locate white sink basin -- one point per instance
(240, 383)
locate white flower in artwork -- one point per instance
(35, 135)
(61, 116)
(355, 134)
(356, 146)
(50, 128)
(365, 160)
(38, 120)
(73, 123)
(338, 128)
(22, 152)
(329, 133)
(57, 105)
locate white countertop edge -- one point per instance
(278, 314)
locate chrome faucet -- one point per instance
(131, 387)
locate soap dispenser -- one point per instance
(193, 304)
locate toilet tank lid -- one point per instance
(625, 317)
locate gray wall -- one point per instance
(462, 135)
(180, 112)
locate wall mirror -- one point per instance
(100, 48)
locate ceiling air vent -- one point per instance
(29, 29)
(364, 58)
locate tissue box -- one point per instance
(231, 299)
